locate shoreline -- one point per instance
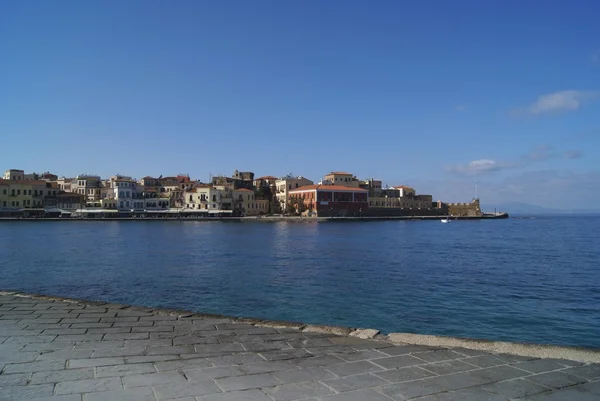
(573, 353)
(265, 218)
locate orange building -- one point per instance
(329, 200)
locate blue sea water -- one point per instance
(516, 279)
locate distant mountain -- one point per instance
(520, 208)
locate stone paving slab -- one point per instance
(67, 350)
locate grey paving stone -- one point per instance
(74, 320)
(125, 351)
(517, 388)
(152, 329)
(485, 361)
(323, 360)
(266, 367)
(202, 375)
(514, 358)
(540, 365)
(236, 359)
(46, 347)
(411, 389)
(94, 345)
(246, 395)
(555, 380)
(279, 355)
(311, 343)
(296, 391)
(135, 394)
(404, 374)
(70, 397)
(124, 370)
(267, 346)
(182, 364)
(119, 319)
(151, 358)
(78, 337)
(448, 367)
(190, 340)
(126, 336)
(499, 373)
(401, 361)
(109, 330)
(97, 315)
(155, 317)
(465, 395)
(89, 363)
(180, 390)
(88, 386)
(16, 379)
(353, 368)
(132, 324)
(246, 382)
(18, 356)
(62, 375)
(439, 356)
(358, 395)
(33, 366)
(459, 380)
(152, 342)
(19, 393)
(29, 339)
(218, 349)
(357, 382)
(302, 375)
(589, 372)
(171, 350)
(353, 356)
(65, 354)
(152, 379)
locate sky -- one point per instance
(437, 95)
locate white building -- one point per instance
(286, 184)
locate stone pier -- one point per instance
(67, 350)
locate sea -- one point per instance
(530, 280)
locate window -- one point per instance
(4, 204)
(214, 206)
(4, 192)
(17, 203)
(18, 192)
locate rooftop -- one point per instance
(339, 173)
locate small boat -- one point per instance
(446, 220)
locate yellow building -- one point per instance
(245, 201)
(341, 178)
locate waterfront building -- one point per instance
(283, 187)
(4, 194)
(69, 201)
(401, 197)
(371, 185)
(209, 198)
(341, 178)
(246, 204)
(88, 185)
(329, 201)
(14, 175)
(64, 184)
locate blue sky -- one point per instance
(432, 94)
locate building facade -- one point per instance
(286, 184)
(329, 201)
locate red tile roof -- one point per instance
(402, 186)
(243, 190)
(337, 188)
(267, 177)
(339, 173)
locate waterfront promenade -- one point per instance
(65, 350)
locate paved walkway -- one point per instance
(53, 350)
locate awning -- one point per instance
(220, 211)
(97, 211)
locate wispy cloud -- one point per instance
(569, 100)
(479, 166)
(574, 154)
(461, 107)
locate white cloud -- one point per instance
(479, 166)
(569, 100)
